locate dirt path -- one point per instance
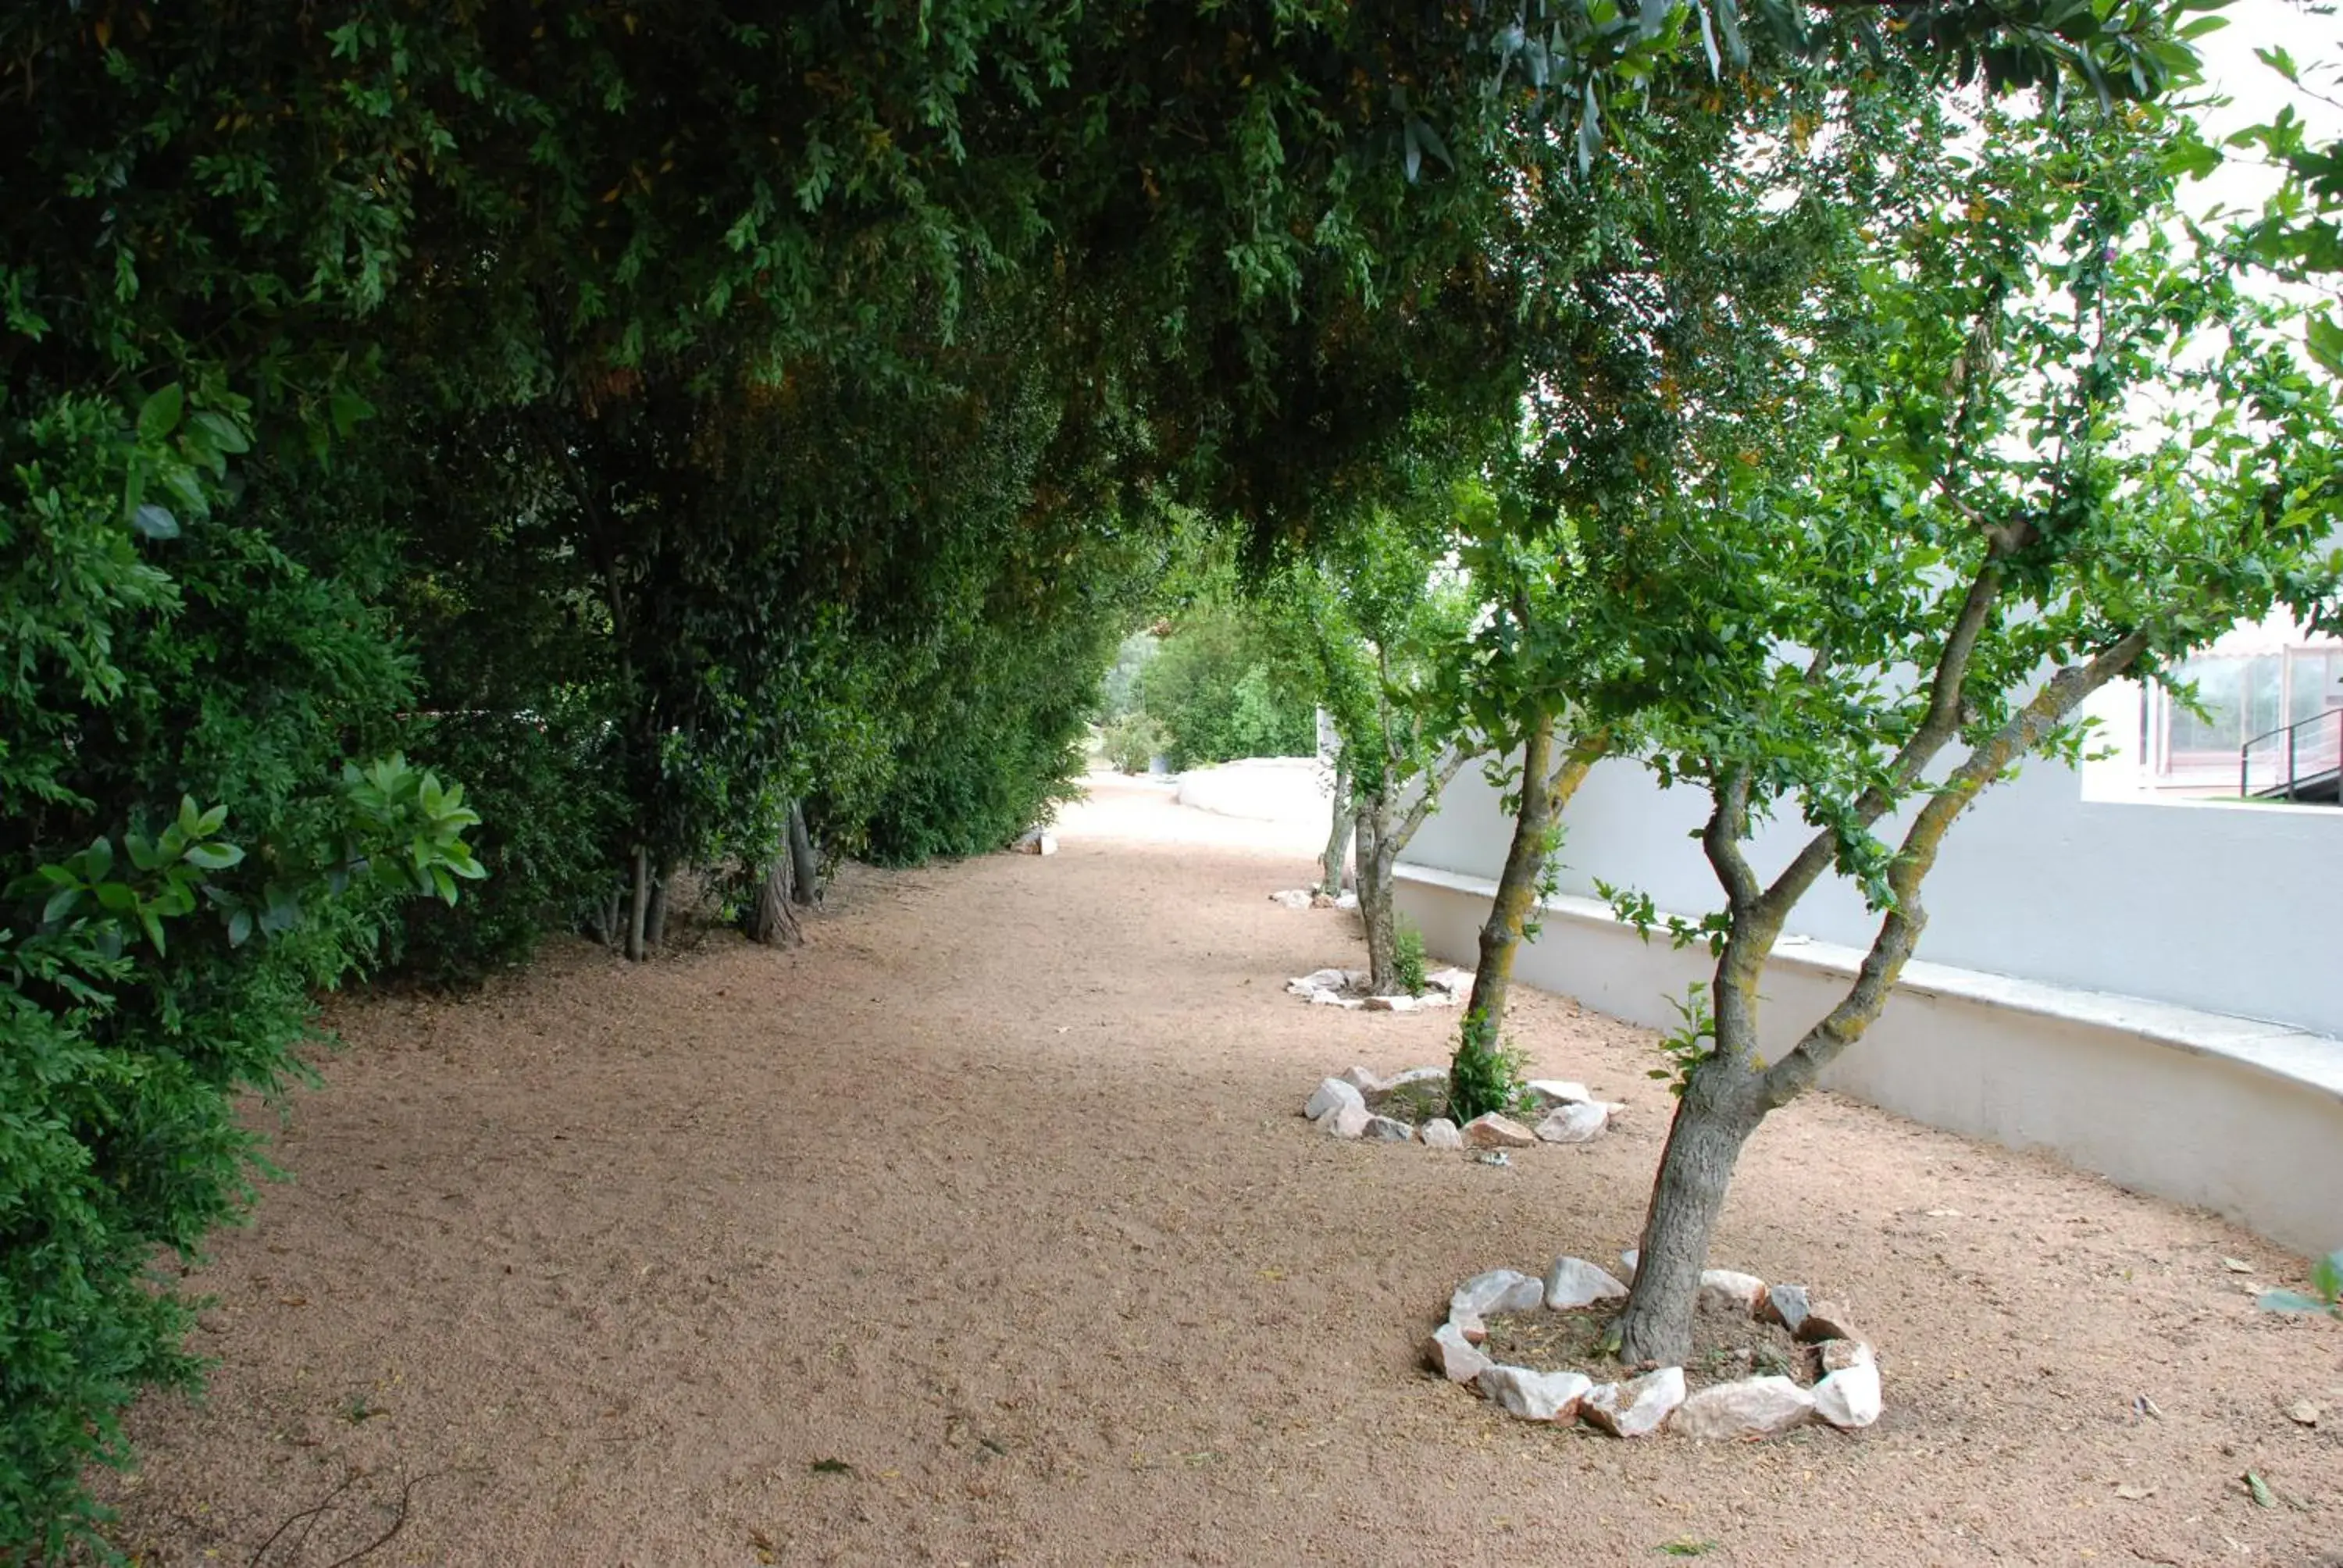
(995, 1195)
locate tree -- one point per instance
(2067, 447)
(1675, 289)
(1383, 617)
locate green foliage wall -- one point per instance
(1220, 692)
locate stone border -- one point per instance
(1348, 989)
(1847, 1396)
(1309, 899)
(1572, 1114)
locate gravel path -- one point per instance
(982, 1231)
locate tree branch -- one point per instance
(1435, 781)
(1899, 932)
(1937, 727)
(1721, 841)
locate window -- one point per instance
(2248, 698)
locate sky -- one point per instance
(2256, 91)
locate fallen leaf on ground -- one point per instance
(2237, 1265)
(2135, 1494)
(831, 1467)
(2259, 1490)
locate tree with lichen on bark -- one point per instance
(2065, 448)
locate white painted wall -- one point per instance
(2227, 907)
(2243, 1119)
(1298, 790)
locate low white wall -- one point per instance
(1265, 789)
(2241, 1118)
(2228, 909)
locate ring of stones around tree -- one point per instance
(1768, 1358)
(1348, 989)
(1412, 1107)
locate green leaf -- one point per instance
(60, 905)
(2259, 1490)
(155, 522)
(348, 409)
(239, 926)
(159, 415)
(214, 857)
(2324, 338)
(2327, 1275)
(224, 433)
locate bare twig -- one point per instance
(309, 1513)
(404, 1494)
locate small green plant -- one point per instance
(2325, 1286)
(1408, 957)
(1693, 1037)
(1485, 1075)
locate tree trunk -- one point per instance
(770, 919)
(1543, 796)
(1516, 885)
(655, 918)
(1375, 898)
(805, 867)
(641, 905)
(1719, 1109)
(1338, 835)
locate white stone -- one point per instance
(1292, 898)
(1826, 1320)
(1627, 1260)
(1535, 1395)
(1453, 1356)
(1387, 1130)
(1440, 1133)
(1637, 1407)
(1850, 1398)
(1347, 1121)
(1553, 1091)
(1498, 1290)
(1318, 980)
(1399, 1003)
(1495, 1132)
(1573, 1124)
(1455, 982)
(1037, 842)
(1575, 1282)
(1732, 1290)
(1346, 901)
(1416, 1075)
(1332, 1093)
(1332, 999)
(1840, 1354)
(1753, 1407)
(1365, 1082)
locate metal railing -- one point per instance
(2295, 759)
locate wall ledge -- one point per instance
(2296, 1057)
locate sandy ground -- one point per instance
(982, 1231)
